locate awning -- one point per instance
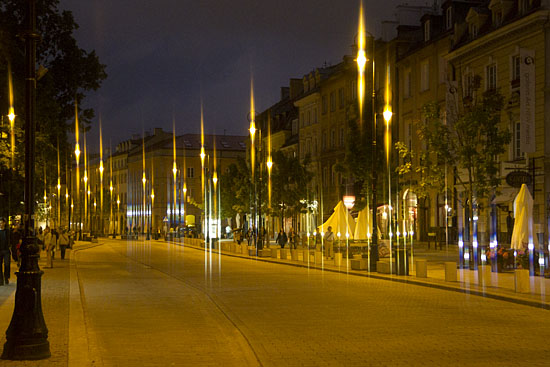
(505, 197)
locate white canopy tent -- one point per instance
(339, 223)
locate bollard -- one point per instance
(305, 256)
(283, 253)
(294, 254)
(421, 268)
(244, 249)
(484, 275)
(274, 252)
(338, 259)
(318, 257)
(451, 273)
(521, 281)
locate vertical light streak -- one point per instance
(203, 192)
(11, 117)
(77, 156)
(215, 181)
(175, 172)
(152, 191)
(144, 180)
(110, 185)
(387, 117)
(86, 196)
(101, 175)
(58, 186)
(361, 62)
(269, 165)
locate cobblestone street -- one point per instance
(160, 304)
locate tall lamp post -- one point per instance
(27, 334)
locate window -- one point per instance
(324, 142)
(468, 85)
(515, 67)
(427, 31)
(473, 30)
(523, 6)
(332, 101)
(341, 98)
(325, 176)
(315, 145)
(442, 69)
(308, 120)
(324, 104)
(497, 18)
(424, 75)
(517, 140)
(302, 119)
(342, 137)
(314, 115)
(353, 90)
(449, 18)
(332, 139)
(407, 84)
(491, 77)
(190, 172)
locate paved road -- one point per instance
(158, 304)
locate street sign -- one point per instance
(517, 178)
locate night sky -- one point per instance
(163, 55)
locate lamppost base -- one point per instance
(27, 334)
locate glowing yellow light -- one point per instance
(202, 155)
(361, 60)
(338, 234)
(101, 167)
(118, 200)
(45, 198)
(58, 187)
(72, 206)
(144, 179)
(175, 170)
(269, 163)
(215, 178)
(252, 129)
(89, 192)
(77, 151)
(111, 187)
(11, 115)
(387, 115)
(66, 196)
(85, 178)
(152, 196)
(184, 189)
(95, 204)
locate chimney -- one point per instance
(285, 93)
(296, 87)
(158, 131)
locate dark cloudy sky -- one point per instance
(163, 55)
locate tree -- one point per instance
(472, 143)
(235, 189)
(71, 72)
(290, 179)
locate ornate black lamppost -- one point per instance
(27, 334)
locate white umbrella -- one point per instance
(523, 224)
(363, 225)
(340, 221)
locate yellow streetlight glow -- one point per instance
(101, 167)
(45, 198)
(361, 60)
(58, 187)
(118, 200)
(11, 115)
(66, 196)
(252, 129)
(152, 196)
(175, 169)
(144, 179)
(202, 155)
(89, 192)
(269, 163)
(111, 187)
(185, 190)
(85, 178)
(77, 151)
(215, 178)
(387, 115)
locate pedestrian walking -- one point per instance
(49, 243)
(16, 242)
(509, 226)
(329, 243)
(63, 242)
(318, 239)
(281, 239)
(292, 238)
(5, 260)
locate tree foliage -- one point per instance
(71, 73)
(471, 144)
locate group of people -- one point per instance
(326, 243)
(11, 240)
(51, 239)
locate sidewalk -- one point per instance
(61, 307)
(500, 285)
